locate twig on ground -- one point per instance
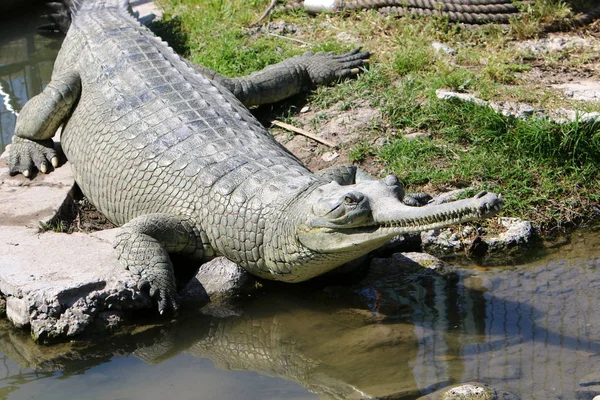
(303, 133)
(288, 38)
(266, 13)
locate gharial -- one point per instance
(168, 151)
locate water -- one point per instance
(530, 329)
(26, 61)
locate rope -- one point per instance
(465, 11)
(434, 5)
(467, 18)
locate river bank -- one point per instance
(393, 119)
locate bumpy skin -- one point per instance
(170, 153)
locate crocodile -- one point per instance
(168, 150)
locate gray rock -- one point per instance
(218, 280)
(518, 234)
(442, 48)
(470, 391)
(25, 202)
(59, 284)
(17, 311)
(441, 242)
(54, 283)
(586, 90)
(589, 92)
(557, 44)
(516, 238)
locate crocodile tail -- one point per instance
(77, 6)
(62, 13)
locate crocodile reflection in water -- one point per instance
(394, 335)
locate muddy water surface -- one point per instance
(532, 329)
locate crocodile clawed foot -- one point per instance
(416, 199)
(167, 298)
(324, 68)
(26, 156)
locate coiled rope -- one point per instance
(465, 11)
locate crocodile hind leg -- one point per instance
(38, 122)
(143, 247)
(289, 77)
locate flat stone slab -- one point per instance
(583, 90)
(25, 202)
(59, 285)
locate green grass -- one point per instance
(546, 172)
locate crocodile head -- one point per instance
(356, 219)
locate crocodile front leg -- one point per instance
(346, 174)
(289, 77)
(144, 245)
(38, 122)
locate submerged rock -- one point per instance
(470, 391)
(508, 244)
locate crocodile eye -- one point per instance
(350, 200)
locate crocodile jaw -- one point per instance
(391, 218)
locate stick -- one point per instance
(266, 13)
(288, 38)
(303, 132)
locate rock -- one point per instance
(557, 44)
(440, 242)
(470, 391)
(54, 283)
(220, 280)
(17, 311)
(329, 156)
(416, 135)
(147, 10)
(442, 48)
(518, 234)
(25, 202)
(510, 243)
(58, 284)
(589, 92)
(582, 90)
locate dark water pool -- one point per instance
(531, 329)
(26, 61)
